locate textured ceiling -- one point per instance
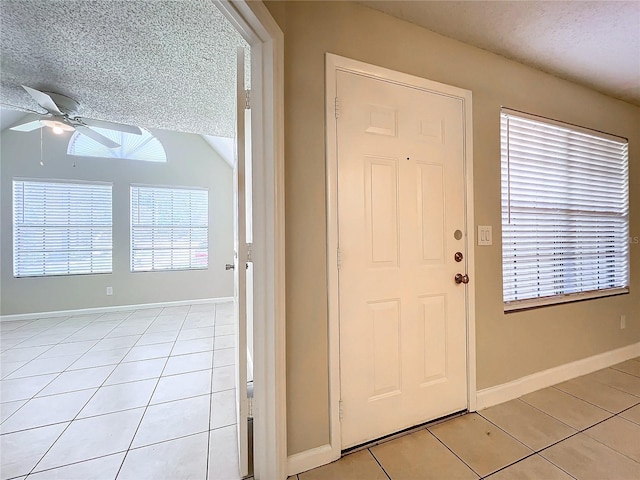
(170, 63)
(595, 43)
(154, 63)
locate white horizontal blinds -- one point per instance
(61, 228)
(169, 228)
(565, 210)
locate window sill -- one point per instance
(560, 299)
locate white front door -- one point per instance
(240, 269)
(401, 220)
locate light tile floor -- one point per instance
(149, 394)
(586, 428)
(144, 394)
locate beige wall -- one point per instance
(191, 162)
(508, 346)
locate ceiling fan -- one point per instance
(62, 117)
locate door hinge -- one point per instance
(249, 252)
(339, 259)
(341, 410)
(337, 107)
(247, 99)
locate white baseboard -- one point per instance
(114, 308)
(546, 378)
(309, 459)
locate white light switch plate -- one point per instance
(485, 235)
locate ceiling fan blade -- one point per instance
(27, 127)
(44, 100)
(98, 137)
(120, 127)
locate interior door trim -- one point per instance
(262, 33)
(334, 64)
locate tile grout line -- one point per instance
(533, 451)
(528, 405)
(557, 466)
(627, 409)
(215, 314)
(564, 423)
(97, 388)
(513, 436)
(39, 356)
(146, 408)
(235, 386)
(127, 410)
(608, 446)
(61, 342)
(613, 367)
(91, 323)
(379, 464)
(454, 453)
(68, 464)
(124, 382)
(577, 431)
(560, 441)
(591, 403)
(17, 345)
(161, 376)
(58, 374)
(86, 403)
(523, 459)
(538, 452)
(115, 365)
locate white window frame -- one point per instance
(531, 147)
(55, 236)
(145, 147)
(138, 225)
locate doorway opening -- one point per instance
(256, 26)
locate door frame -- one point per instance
(334, 64)
(259, 29)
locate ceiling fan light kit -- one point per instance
(62, 117)
(57, 127)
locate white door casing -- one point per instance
(397, 192)
(240, 271)
(259, 29)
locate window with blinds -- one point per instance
(61, 228)
(565, 212)
(169, 228)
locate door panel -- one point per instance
(381, 210)
(430, 201)
(240, 271)
(433, 317)
(384, 321)
(400, 200)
